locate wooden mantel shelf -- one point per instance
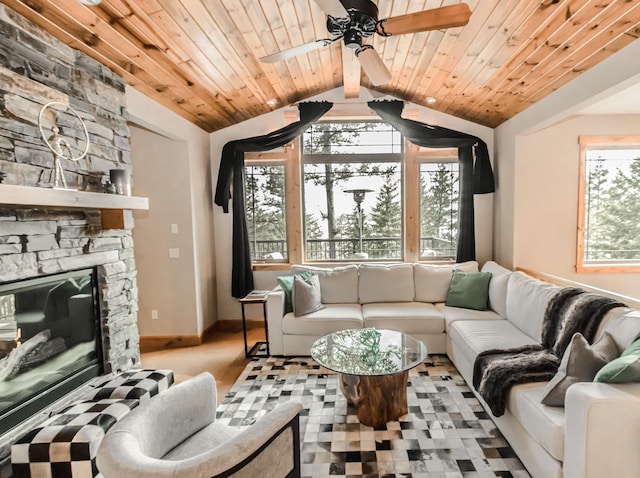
(116, 209)
(32, 196)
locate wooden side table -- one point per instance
(255, 297)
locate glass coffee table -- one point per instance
(373, 368)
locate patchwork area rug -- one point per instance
(446, 434)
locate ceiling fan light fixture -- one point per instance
(352, 39)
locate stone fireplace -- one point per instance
(44, 231)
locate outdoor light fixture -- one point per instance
(358, 197)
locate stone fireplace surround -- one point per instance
(38, 241)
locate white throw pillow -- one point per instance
(339, 285)
(385, 283)
(432, 281)
(497, 287)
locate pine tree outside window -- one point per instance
(609, 204)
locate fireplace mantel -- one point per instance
(33, 196)
(115, 208)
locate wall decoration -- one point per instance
(62, 147)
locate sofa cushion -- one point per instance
(544, 424)
(339, 285)
(385, 283)
(469, 290)
(451, 314)
(305, 296)
(408, 317)
(432, 281)
(527, 300)
(580, 363)
(497, 286)
(475, 336)
(325, 321)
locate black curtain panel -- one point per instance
(231, 178)
(476, 177)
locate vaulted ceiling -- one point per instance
(200, 58)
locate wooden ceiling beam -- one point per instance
(350, 73)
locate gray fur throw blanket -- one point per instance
(571, 310)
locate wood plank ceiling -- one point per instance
(200, 57)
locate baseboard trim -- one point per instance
(148, 344)
(160, 342)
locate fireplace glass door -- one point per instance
(49, 341)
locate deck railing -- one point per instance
(348, 249)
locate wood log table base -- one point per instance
(378, 398)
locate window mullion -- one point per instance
(293, 200)
(411, 198)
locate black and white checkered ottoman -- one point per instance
(138, 384)
(65, 445)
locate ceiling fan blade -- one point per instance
(296, 50)
(333, 8)
(444, 17)
(373, 65)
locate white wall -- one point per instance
(165, 285)
(185, 149)
(228, 307)
(536, 165)
(546, 180)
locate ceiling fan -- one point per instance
(353, 20)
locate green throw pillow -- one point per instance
(469, 290)
(286, 282)
(625, 368)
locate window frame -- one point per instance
(410, 197)
(586, 143)
(289, 159)
(343, 158)
(433, 156)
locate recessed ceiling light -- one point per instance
(272, 102)
(430, 100)
(90, 2)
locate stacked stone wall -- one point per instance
(36, 69)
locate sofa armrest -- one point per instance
(275, 313)
(602, 430)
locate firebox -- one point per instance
(50, 341)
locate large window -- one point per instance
(352, 186)
(352, 190)
(609, 212)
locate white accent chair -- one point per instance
(175, 434)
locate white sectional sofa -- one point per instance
(596, 434)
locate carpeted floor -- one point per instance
(446, 433)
